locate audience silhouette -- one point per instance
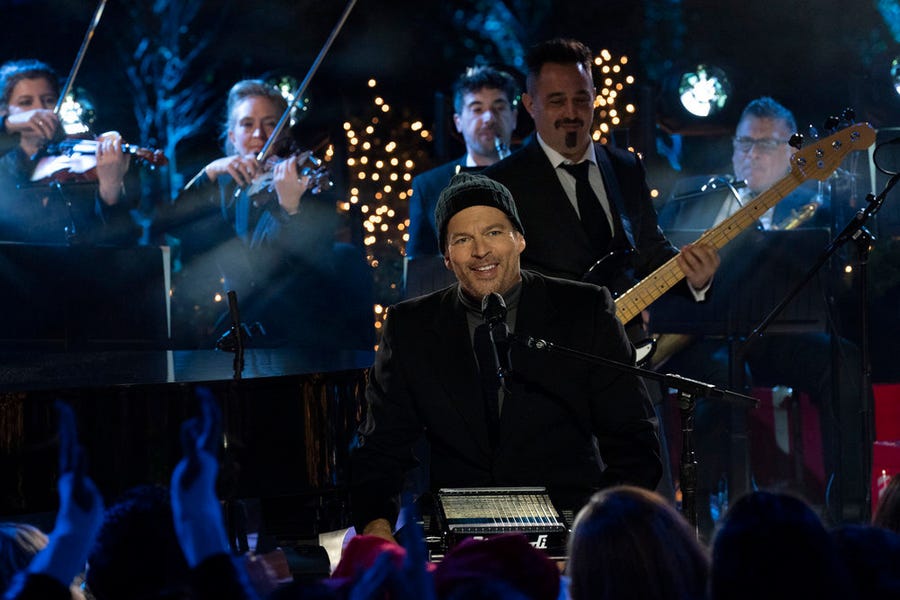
(627, 542)
(772, 545)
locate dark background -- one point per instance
(816, 57)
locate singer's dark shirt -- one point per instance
(425, 380)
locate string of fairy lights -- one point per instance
(612, 83)
(387, 147)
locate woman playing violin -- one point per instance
(33, 211)
(275, 248)
(253, 111)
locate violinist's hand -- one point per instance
(112, 164)
(699, 263)
(289, 185)
(241, 168)
(40, 123)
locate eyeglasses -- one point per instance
(767, 145)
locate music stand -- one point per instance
(760, 268)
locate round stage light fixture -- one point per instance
(704, 91)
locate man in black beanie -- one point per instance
(537, 426)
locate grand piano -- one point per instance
(289, 414)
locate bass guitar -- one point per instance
(818, 160)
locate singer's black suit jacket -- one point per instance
(557, 243)
(425, 379)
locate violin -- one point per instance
(316, 171)
(75, 160)
(308, 165)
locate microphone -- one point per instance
(723, 180)
(502, 149)
(493, 311)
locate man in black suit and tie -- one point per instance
(579, 200)
(484, 103)
(547, 421)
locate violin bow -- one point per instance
(301, 89)
(98, 12)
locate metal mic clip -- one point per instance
(502, 148)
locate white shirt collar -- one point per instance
(557, 159)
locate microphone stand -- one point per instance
(689, 390)
(234, 510)
(233, 339)
(862, 238)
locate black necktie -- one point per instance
(490, 382)
(593, 219)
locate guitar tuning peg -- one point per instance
(848, 115)
(812, 132)
(831, 123)
(796, 141)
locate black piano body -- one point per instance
(92, 326)
(289, 422)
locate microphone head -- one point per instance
(493, 307)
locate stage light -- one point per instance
(704, 91)
(895, 74)
(286, 86)
(77, 112)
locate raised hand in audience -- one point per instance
(77, 522)
(195, 507)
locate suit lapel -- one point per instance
(621, 225)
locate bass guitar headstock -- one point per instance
(821, 158)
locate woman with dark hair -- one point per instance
(37, 212)
(274, 245)
(628, 542)
(29, 90)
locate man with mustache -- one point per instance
(570, 230)
(485, 104)
(581, 201)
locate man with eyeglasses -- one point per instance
(803, 360)
(761, 151)
(761, 157)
